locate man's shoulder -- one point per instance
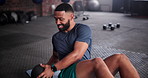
(82, 26)
(56, 34)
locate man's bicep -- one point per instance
(80, 47)
(84, 34)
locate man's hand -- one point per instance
(47, 73)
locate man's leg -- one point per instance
(95, 68)
(121, 63)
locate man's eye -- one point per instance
(61, 19)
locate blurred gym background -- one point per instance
(23, 11)
(27, 26)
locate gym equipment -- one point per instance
(65, 1)
(111, 26)
(117, 25)
(79, 9)
(9, 16)
(37, 1)
(31, 15)
(14, 15)
(86, 17)
(93, 5)
(2, 2)
(22, 17)
(3, 19)
(36, 71)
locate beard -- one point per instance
(65, 26)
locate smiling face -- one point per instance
(63, 20)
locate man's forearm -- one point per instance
(52, 60)
(78, 52)
(67, 61)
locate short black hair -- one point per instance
(64, 7)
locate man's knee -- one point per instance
(120, 57)
(98, 61)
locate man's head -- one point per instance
(64, 17)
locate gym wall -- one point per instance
(41, 9)
(23, 5)
(106, 5)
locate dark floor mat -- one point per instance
(5, 32)
(17, 39)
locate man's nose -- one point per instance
(58, 21)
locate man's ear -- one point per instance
(72, 16)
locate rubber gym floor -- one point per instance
(24, 45)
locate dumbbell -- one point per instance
(117, 25)
(85, 18)
(104, 27)
(110, 26)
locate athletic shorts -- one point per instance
(69, 72)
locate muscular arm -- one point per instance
(75, 55)
(53, 59)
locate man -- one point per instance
(71, 52)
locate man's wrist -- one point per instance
(53, 68)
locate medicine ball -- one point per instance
(65, 1)
(37, 1)
(2, 2)
(93, 5)
(36, 71)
